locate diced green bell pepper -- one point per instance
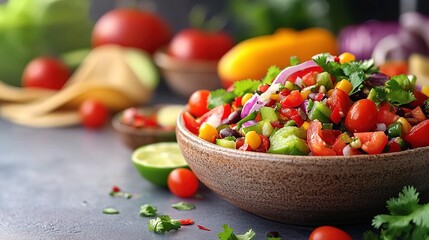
(290, 145)
(320, 112)
(394, 130)
(324, 79)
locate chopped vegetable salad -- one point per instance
(330, 105)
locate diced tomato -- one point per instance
(317, 145)
(239, 142)
(245, 147)
(387, 114)
(339, 99)
(294, 99)
(292, 114)
(276, 124)
(285, 92)
(237, 102)
(221, 111)
(372, 142)
(393, 146)
(304, 72)
(418, 114)
(418, 135)
(339, 144)
(263, 87)
(319, 97)
(420, 99)
(335, 115)
(265, 145)
(309, 79)
(330, 136)
(190, 123)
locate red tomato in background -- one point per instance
(131, 28)
(329, 233)
(197, 102)
(45, 72)
(392, 68)
(362, 116)
(182, 182)
(198, 44)
(93, 113)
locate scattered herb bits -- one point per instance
(183, 206)
(163, 224)
(147, 210)
(110, 211)
(228, 234)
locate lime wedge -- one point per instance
(155, 161)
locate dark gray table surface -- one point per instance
(54, 184)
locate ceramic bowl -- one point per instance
(187, 76)
(137, 137)
(305, 190)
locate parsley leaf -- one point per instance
(377, 94)
(245, 86)
(184, 206)
(163, 224)
(331, 67)
(228, 234)
(147, 210)
(396, 94)
(219, 97)
(407, 220)
(356, 78)
(110, 211)
(272, 73)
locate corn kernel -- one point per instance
(329, 93)
(305, 93)
(274, 97)
(346, 57)
(344, 85)
(425, 90)
(207, 132)
(253, 139)
(405, 126)
(246, 98)
(305, 126)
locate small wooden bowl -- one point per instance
(137, 137)
(305, 190)
(187, 76)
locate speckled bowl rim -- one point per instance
(304, 160)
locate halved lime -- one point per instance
(155, 161)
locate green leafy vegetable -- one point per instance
(219, 97)
(407, 220)
(245, 86)
(377, 94)
(356, 72)
(228, 234)
(272, 73)
(396, 93)
(163, 224)
(184, 206)
(273, 236)
(147, 210)
(110, 211)
(294, 60)
(121, 194)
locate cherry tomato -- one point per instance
(45, 72)
(317, 145)
(182, 182)
(417, 136)
(198, 44)
(372, 142)
(198, 103)
(362, 116)
(221, 112)
(420, 99)
(329, 233)
(131, 28)
(93, 113)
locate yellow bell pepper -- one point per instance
(252, 57)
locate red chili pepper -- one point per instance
(203, 228)
(116, 189)
(186, 221)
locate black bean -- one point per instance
(234, 117)
(229, 132)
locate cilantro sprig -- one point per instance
(407, 219)
(228, 234)
(163, 224)
(356, 71)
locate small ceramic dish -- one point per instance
(136, 136)
(187, 76)
(305, 190)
